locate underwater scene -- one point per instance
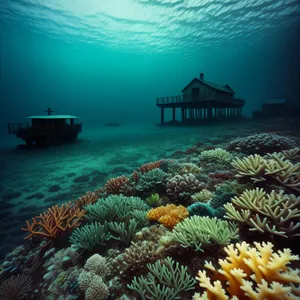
(149, 149)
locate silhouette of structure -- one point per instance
(202, 100)
(47, 129)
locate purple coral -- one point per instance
(262, 144)
(181, 187)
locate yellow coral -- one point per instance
(168, 215)
(251, 273)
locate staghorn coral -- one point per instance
(273, 169)
(168, 215)
(262, 144)
(247, 272)
(55, 222)
(292, 154)
(182, 187)
(196, 231)
(275, 213)
(203, 196)
(119, 185)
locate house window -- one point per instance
(195, 94)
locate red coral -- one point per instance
(150, 166)
(119, 185)
(55, 222)
(223, 175)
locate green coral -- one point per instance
(115, 208)
(154, 200)
(88, 236)
(152, 180)
(166, 280)
(216, 155)
(124, 232)
(196, 231)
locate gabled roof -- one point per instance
(215, 86)
(53, 117)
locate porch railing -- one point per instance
(208, 96)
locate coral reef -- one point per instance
(168, 215)
(251, 273)
(262, 144)
(181, 188)
(275, 213)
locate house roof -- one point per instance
(215, 86)
(53, 117)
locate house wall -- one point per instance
(203, 88)
(224, 97)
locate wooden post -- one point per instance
(162, 115)
(174, 114)
(182, 114)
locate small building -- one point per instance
(45, 130)
(202, 100)
(273, 107)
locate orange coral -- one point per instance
(251, 273)
(88, 198)
(150, 166)
(168, 215)
(118, 185)
(56, 221)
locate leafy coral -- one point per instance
(196, 231)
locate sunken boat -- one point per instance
(46, 130)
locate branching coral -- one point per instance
(119, 185)
(135, 257)
(275, 213)
(247, 272)
(150, 166)
(55, 222)
(182, 187)
(88, 198)
(202, 196)
(168, 215)
(185, 168)
(89, 235)
(274, 169)
(115, 208)
(166, 280)
(196, 231)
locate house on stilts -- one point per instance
(201, 101)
